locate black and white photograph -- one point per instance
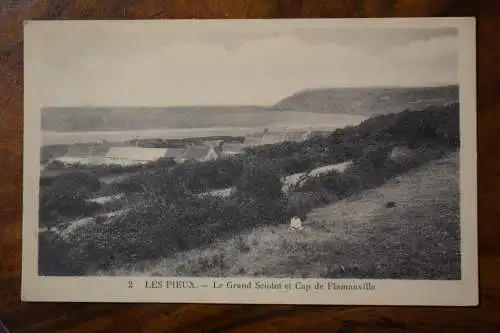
(254, 154)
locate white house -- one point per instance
(86, 150)
(201, 153)
(271, 138)
(84, 154)
(134, 155)
(213, 143)
(231, 149)
(252, 140)
(178, 154)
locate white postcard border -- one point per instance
(386, 292)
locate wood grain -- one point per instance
(24, 317)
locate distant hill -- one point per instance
(353, 101)
(67, 119)
(368, 101)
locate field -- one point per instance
(358, 237)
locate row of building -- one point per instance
(105, 153)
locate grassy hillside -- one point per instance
(169, 217)
(369, 101)
(355, 238)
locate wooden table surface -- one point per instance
(21, 317)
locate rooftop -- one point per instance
(175, 152)
(197, 152)
(136, 153)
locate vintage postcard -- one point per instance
(297, 161)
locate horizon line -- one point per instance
(265, 106)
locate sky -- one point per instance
(134, 66)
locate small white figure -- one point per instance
(295, 223)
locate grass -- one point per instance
(358, 237)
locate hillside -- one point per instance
(326, 106)
(419, 238)
(67, 119)
(368, 101)
(173, 219)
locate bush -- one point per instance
(305, 201)
(369, 170)
(165, 227)
(80, 180)
(259, 181)
(66, 198)
(56, 204)
(205, 176)
(197, 177)
(54, 257)
(161, 184)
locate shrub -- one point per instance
(55, 204)
(305, 201)
(204, 176)
(259, 181)
(66, 197)
(165, 227)
(196, 177)
(80, 180)
(133, 184)
(369, 170)
(54, 256)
